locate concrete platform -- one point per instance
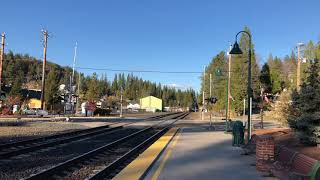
(197, 153)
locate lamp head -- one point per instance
(235, 49)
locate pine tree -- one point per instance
(16, 87)
(276, 78)
(304, 112)
(239, 74)
(52, 95)
(265, 78)
(93, 93)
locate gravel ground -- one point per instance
(25, 165)
(108, 157)
(35, 129)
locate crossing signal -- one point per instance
(212, 100)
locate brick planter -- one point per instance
(264, 151)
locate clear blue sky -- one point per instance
(164, 35)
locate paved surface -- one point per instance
(197, 153)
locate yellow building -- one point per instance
(151, 103)
(34, 103)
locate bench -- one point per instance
(284, 159)
(294, 165)
(250, 147)
(304, 167)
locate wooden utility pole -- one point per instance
(203, 92)
(262, 106)
(299, 67)
(210, 85)
(3, 36)
(45, 36)
(121, 105)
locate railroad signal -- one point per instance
(212, 100)
(218, 72)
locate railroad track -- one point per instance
(102, 161)
(22, 147)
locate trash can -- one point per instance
(237, 133)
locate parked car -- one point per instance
(39, 112)
(29, 112)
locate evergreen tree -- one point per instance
(115, 87)
(304, 111)
(16, 87)
(265, 78)
(93, 93)
(239, 74)
(52, 95)
(275, 65)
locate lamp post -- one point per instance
(236, 50)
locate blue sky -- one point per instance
(163, 35)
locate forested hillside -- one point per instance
(23, 71)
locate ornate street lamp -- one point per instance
(236, 50)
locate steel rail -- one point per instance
(58, 169)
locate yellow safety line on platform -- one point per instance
(165, 158)
(137, 168)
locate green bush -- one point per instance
(101, 112)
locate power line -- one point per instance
(139, 71)
(144, 71)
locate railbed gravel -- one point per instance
(110, 156)
(30, 130)
(25, 165)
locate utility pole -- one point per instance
(45, 36)
(121, 98)
(74, 62)
(262, 106)
(203, 92)
(77, 106)
(3, 36)
(72, 91)
(244, 110)
(299, 67)
(210, 85)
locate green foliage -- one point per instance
(304, 112)
(94, 92)
(101, 112)
(52, 95)
(277, 80)
(29, 70)
(16, 87)
(218, 70)
(265, 78)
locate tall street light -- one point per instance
(236, 50)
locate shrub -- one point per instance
(101, 112)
